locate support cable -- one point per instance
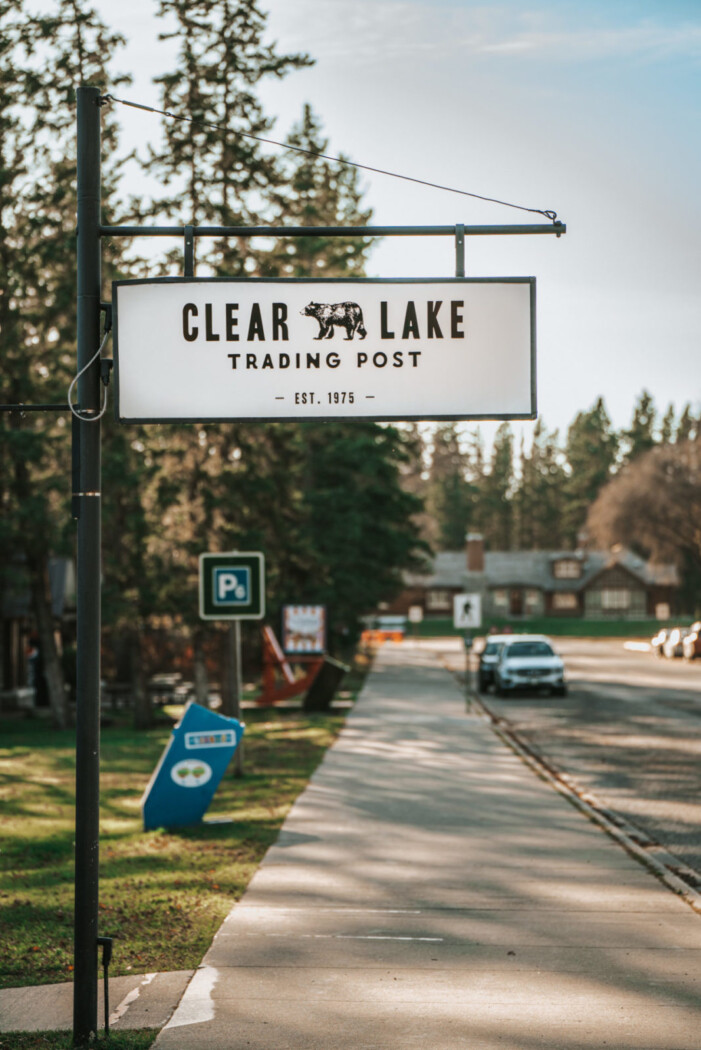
(552, 215)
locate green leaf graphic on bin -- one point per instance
(191, 773)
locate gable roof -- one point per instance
(534, 569)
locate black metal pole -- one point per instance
(235, 650)
(88, 582)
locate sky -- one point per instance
(591, 109)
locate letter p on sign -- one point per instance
(232, 586)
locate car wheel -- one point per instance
(560, 691)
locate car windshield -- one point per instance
(530, 649)
(491, 648)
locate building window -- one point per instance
(438, 600)
(501, 599)
(565, 601)
(567, 569)
(615, 598)
(532, 599)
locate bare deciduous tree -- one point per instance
(654, 505)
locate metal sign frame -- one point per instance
(87, 493)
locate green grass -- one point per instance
(163, 894)
(135, 1040)
(557, 626)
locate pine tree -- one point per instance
(219, 176)
(215, 176)
(667, 426)
(361, 522)
(496, 492)
(686, 427)
(591, 451)
(539, 497)
(316, 192)
(640, 437)
(450, 496)
(414, 475)
(43, 58)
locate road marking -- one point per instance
(128, 999)
(348, 937)
(196, 1005)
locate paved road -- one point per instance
(629, 731)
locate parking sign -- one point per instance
(232, 586)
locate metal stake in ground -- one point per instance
(233, 700)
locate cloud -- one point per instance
(370, 31)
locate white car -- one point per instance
(488, 659)
(528, 661)
(674, 645)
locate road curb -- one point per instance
(664, 865)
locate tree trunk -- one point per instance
(143, 708)
(53, 672)
(200, 670)
(231, 692)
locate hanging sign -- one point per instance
(217, 350)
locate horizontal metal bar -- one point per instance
(36, 408)
(558, 228)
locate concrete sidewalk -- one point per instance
(145, 1000)
(429, 891)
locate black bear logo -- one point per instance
(347, 315)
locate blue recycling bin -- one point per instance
(190, 769)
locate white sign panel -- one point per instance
(467, 611)
(210, 349)
(304, 628)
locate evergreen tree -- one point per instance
(538, 499)
(43, 58)
(217, 177)
(496, 492)
(360, 520)
(316, 192)
(414, 476)
(667, 426)
(686, 427)
(591, 451)
(640, 437)
(450, 495)
(270, 487)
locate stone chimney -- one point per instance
(474, 550)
